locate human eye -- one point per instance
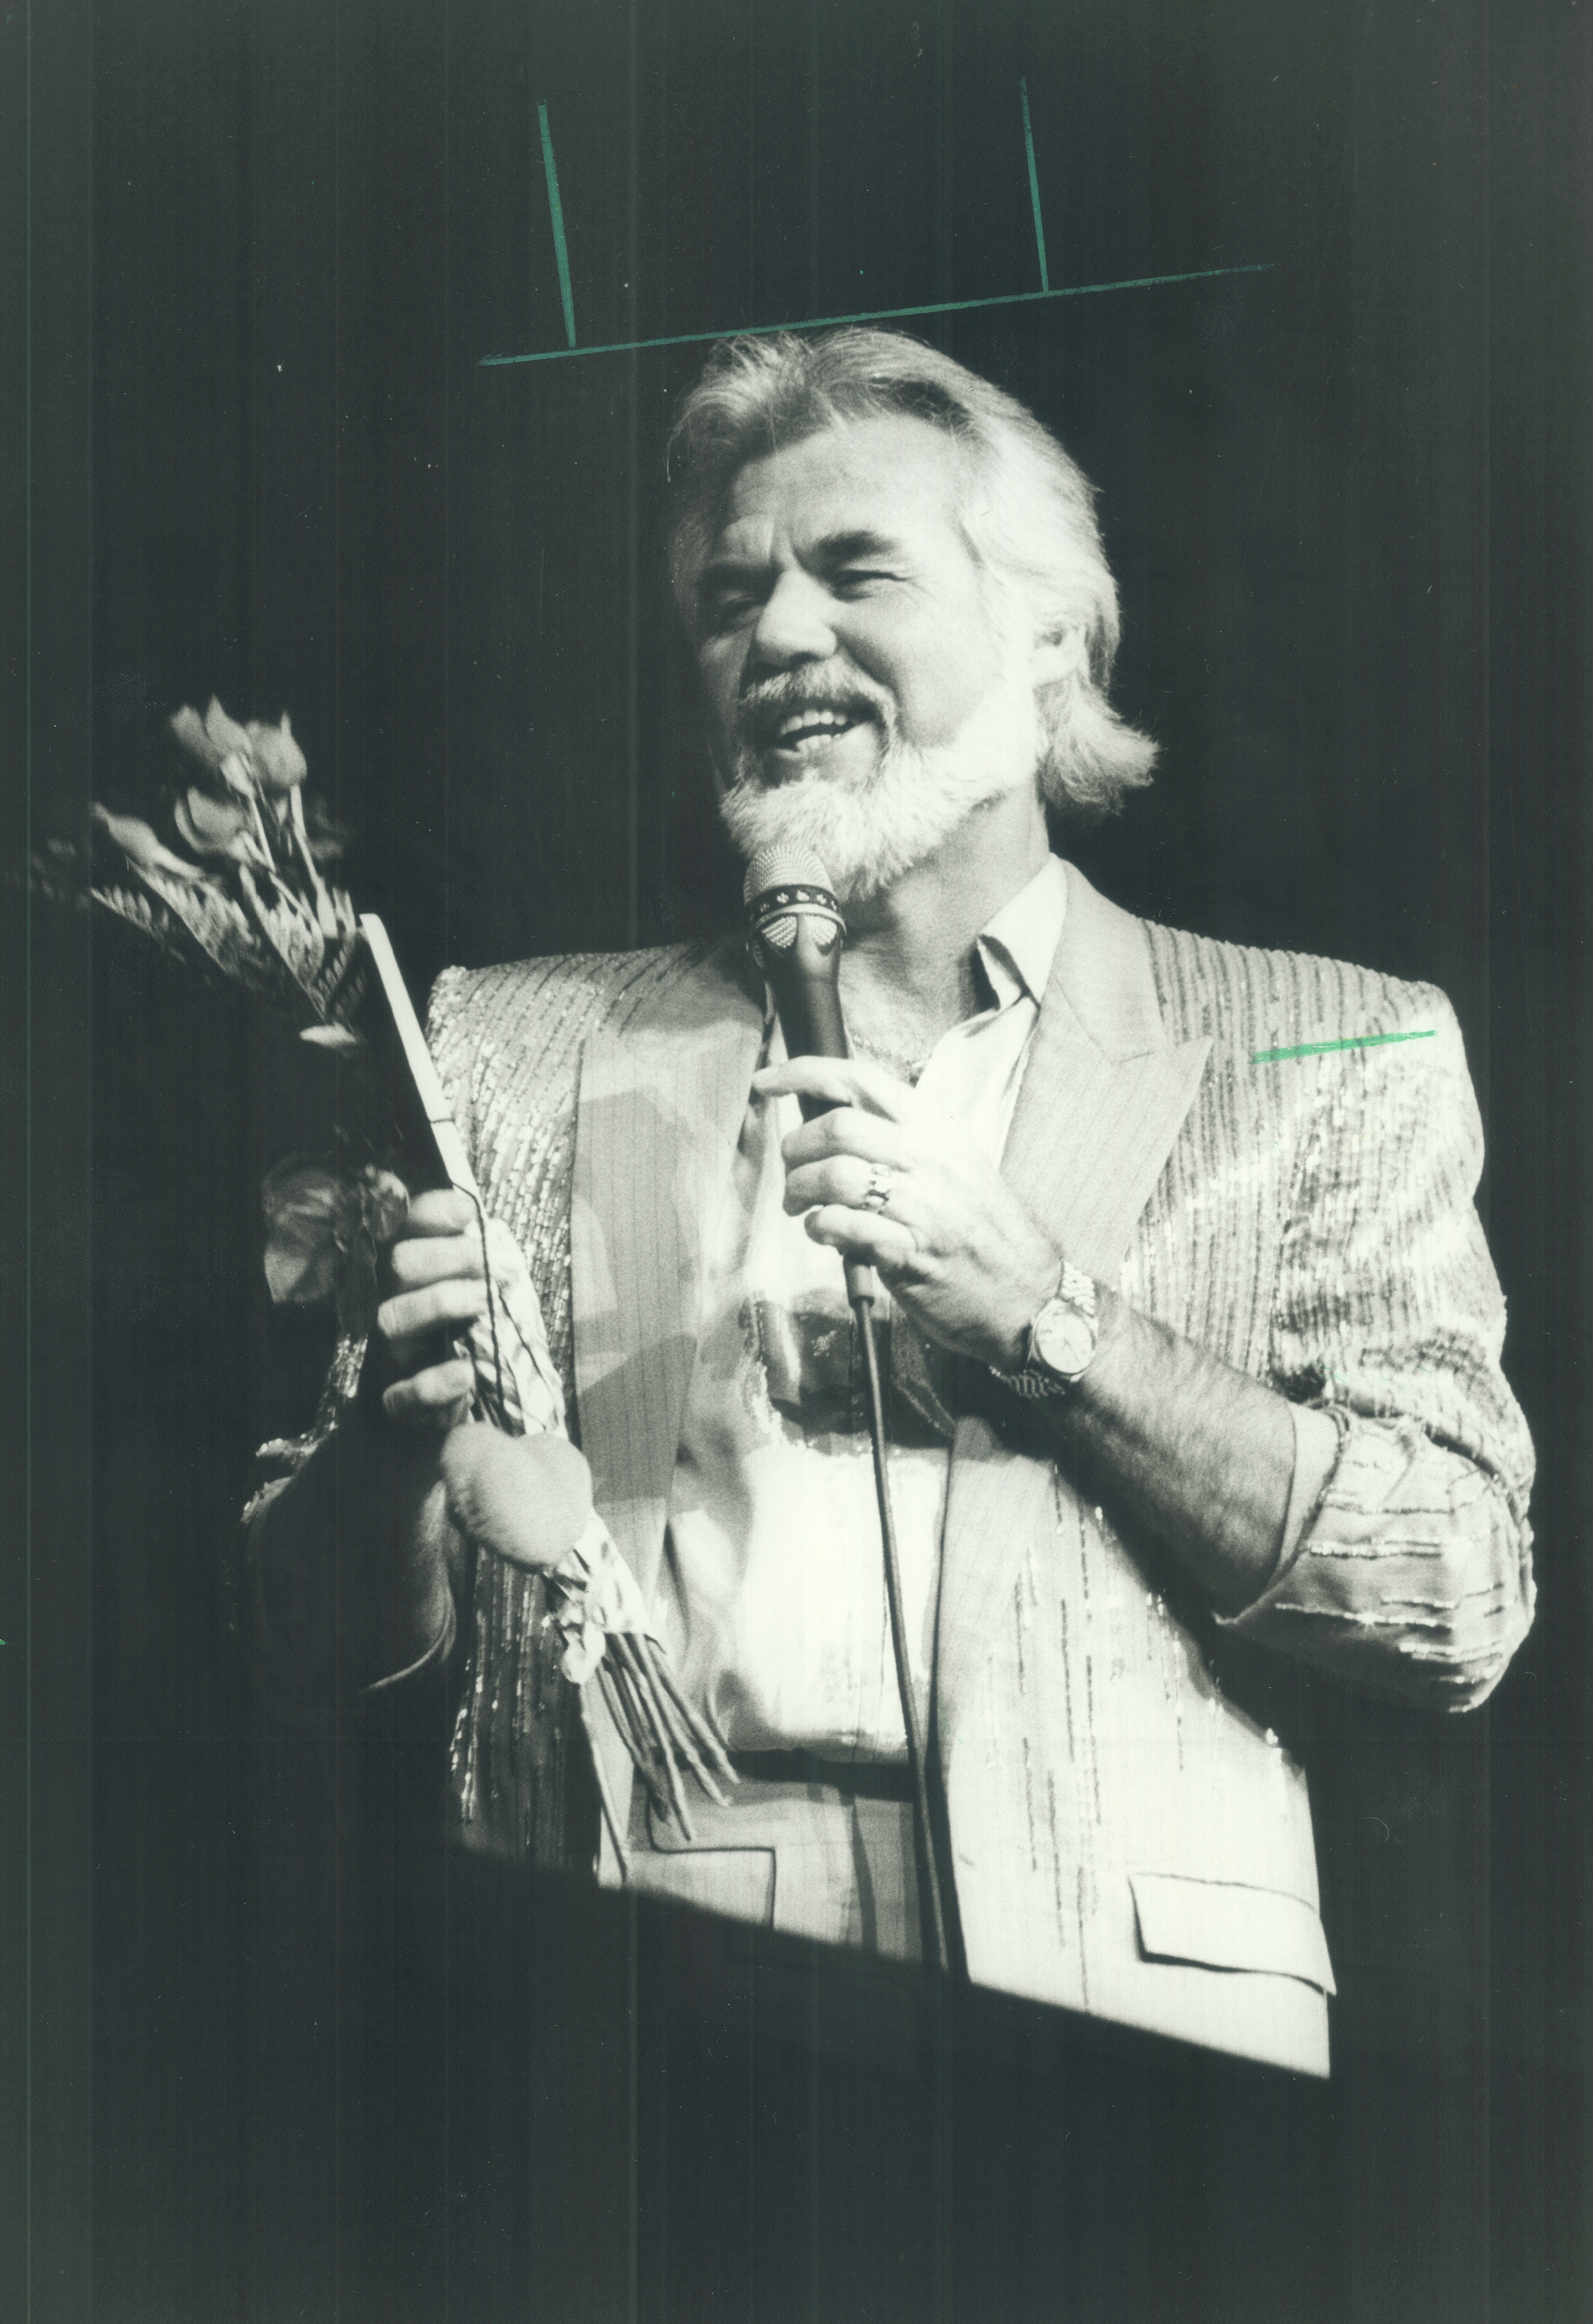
(726, 605)
(863, 580)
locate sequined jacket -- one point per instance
(1274, 1154)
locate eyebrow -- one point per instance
(843, 548)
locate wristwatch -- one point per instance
(1061, 1340)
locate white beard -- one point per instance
(868, 832)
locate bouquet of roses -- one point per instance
(238, 888)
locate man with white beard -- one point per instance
(1192, 1337)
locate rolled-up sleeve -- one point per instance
(1409, 1573)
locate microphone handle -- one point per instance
(809, 1007)
(810, 1019)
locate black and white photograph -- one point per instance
(794, 1007)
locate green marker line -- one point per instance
(1028, 140)
(1321, 1048)
(559, 250)
(874, 315)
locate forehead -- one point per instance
(892, 475)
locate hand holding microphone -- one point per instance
(797, 935)
(887, 1181)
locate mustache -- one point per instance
(767, 703)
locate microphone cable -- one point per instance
(930, 1899)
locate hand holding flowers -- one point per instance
(229, 876)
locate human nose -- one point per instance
(793, 625)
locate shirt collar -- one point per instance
(1019, 944)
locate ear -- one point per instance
(1051, 660)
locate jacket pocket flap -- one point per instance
(1223, 1924)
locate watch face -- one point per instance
(1064, 1338)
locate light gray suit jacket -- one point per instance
(1126, 1840)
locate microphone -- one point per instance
(796, 933)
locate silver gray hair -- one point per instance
(1027, 513)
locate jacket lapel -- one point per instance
(1104, 1096)
(660, 1109)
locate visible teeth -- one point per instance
(802, 722)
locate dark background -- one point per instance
(253, 255)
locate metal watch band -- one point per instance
(1075, 1290)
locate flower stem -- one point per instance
(325, 918)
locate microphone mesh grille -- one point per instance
(782, 866)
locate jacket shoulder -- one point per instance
(1260, 1001)
(553, 1000)
(506, 1039)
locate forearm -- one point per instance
(1366, 1548)
(1191, 1453)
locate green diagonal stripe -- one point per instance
(557, 209)
(1321, 1048)
(1029, 139)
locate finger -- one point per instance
(433, 1259)
(411, 1314)
(886, 1243)
(437, 1397)
(838, 1080)
(847, 1129)
(443, 1211)
(845, 1179)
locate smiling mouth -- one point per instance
(792, 731)
(805, 728)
